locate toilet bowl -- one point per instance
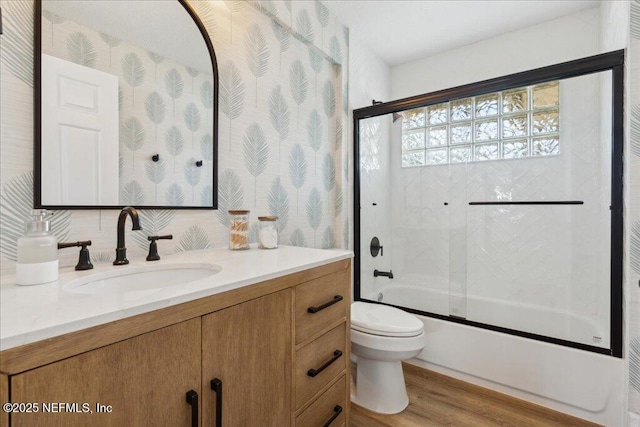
(381, 338)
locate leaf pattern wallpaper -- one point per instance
(17, 51)
(175, 86)
(111, 42)
(133, 72)
(304, 26)
(256, 154)
(314, 211)
(156, 109)
(284, 39)
(192, 119)
(231, 96)
(155, 222)
(279, 114)
(17, 203)
(297, 169)
(274, 60)
(230, 195)
(632, 165)
(322, 14)
(174, 143)
(635, 130)
(257, 53)
(314, 133)
(298, 85)
(279, 204)
(81, 50)
(316, 61)
(635, 19)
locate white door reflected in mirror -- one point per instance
(79, 134)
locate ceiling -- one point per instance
(400, 31)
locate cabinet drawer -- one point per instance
(332, 405)
(326, 357)
(320, 295)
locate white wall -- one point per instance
(570, 37)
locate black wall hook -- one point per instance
(199, 163)
(155, 157)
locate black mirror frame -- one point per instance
(37, 115)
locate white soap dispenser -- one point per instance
(37, 251)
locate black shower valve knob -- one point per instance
(155, 157)
(375, 247)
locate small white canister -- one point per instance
(268, 232)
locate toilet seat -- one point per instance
(382, 320)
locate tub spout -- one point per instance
(388, 274)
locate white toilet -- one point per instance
(382, 337)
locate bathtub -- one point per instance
(582, 383)
(513, 315)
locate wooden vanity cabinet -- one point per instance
(245, 354)
(322, 351)
(144, 380)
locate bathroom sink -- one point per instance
(141, 278)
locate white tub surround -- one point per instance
(30, 314)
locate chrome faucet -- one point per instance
(121, 250)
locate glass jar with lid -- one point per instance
(238, 229)
(268, 232)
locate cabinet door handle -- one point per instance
(313, 372)
(192, 399)
(216, 386)
(335, 299)
(337, 410)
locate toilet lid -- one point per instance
(378, 319)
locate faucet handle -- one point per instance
(153, 246)
(84, 260)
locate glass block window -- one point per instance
(512, 124)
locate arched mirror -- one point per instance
(125, 106)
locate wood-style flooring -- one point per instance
(438, 400)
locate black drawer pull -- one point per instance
(313, 372)
(192, 399)
(337, 410)
(335, 299)
(216, 386)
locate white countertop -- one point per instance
(33, 313)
